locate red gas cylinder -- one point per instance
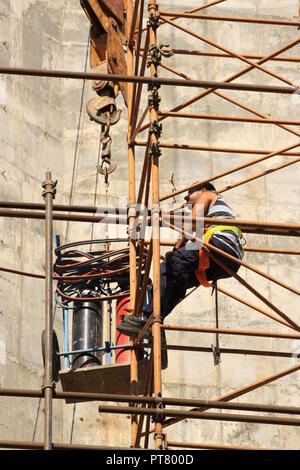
(124, 355)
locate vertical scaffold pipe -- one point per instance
(154, 150)
(131, 214)
(49, 194)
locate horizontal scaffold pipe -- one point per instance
(264, 334)
(228, 56)
(199, 415)
(167, 145)
(20, 214)
(220, 117)
(239, 223)
(148, 80)
(56, 446)
(27, 393)
(250, 249)
(246, 352)
(238, 19)
(9, 211)
(193, 445)
(64, 207)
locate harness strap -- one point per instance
(204, 260)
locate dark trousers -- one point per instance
(177, 275)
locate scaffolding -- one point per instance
(157, 407)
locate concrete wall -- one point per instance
(44, 126)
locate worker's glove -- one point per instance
(168, 254)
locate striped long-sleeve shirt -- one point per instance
(228, 237)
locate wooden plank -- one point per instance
(116, 7)
(98, 47)
(116, 55)
(104, 17)
(114, 379)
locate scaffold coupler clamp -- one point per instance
(155, 151)
(52, 386)
(162, 437)
(156, 129)
(107, 347)
(159, 406)
(156, 51)
(154, 56)
(216, 354)
(133, 227)
(49, 188)
(153, 97)
(166, 50)
(154, 20)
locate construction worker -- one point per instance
(188, 265)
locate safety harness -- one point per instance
(204, 260)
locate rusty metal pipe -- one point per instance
(233, 101)
(20, 214)
(259, 175)
(282, 231)
(131, 19)
(5, 444)
(49, 194)
(227, 331)
(232, 170)
(238, 19)
(240, 418)
(215, 117)
(91, 209)
(242, 223)
(156, 331)
(276, 251)
(193, 445)
(254, 307)
(197, 415)
(232, 78)
(24, 393)
(227, 56)
(63, 207)
(246, 352)
(194, 10)
(232, 53)
(249, 249)
(137, 94)
(243, 390)
(133, 78)
(167, 145)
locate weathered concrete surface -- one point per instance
(44, 126)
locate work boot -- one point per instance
(137, 320)
(133, 324)
(128, 329)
